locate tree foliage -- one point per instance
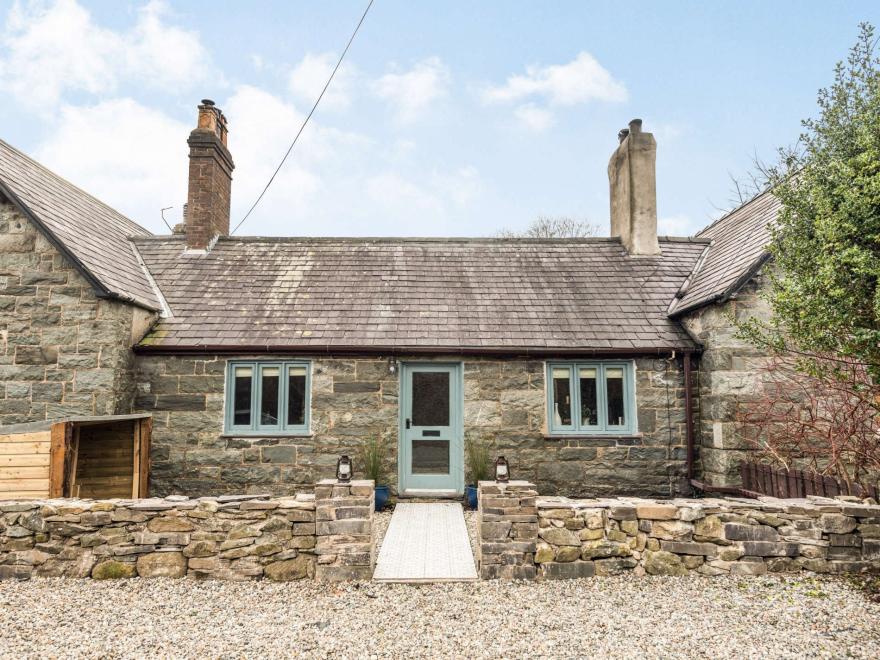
(553, 227)
(826, 244)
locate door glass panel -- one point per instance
(588, 391)
(296, 396)
(430, 400)
(561, 397)
(430, 456)
(269, 396)
(614, 383)
(241, 405)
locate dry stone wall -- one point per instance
(357, 398)
(227, 537)
(63, 351)
(581, 538)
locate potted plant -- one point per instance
(478, 468)
(373, 458)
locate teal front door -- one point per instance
(431, 437)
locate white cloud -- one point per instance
(675, 225)
(334, 182)
(52, 49)
(309, 77)
(580, 81)
(412, 92)
(127, 155)
(533, 117)
(542, 87)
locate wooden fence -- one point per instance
(779, 482)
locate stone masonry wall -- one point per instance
(63, 351)
(357, 398)
(345, 530)
(582, 538)
(729, 372)
(230, 538)
(508, 529)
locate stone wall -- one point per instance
(581, 538)
(356, 398)
(351, 401)
(345, 530)
(232, 538)
(63, 351)
(729, 372)
(507, 526)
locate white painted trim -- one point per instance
(165, 312)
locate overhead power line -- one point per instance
(306, 120)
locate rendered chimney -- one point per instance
(632, 176)
(210, 179)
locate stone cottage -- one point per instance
(596, 366)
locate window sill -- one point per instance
(592, 436)
(280, 434)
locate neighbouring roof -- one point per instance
(738, 249)
(88, 232)
(481, 295)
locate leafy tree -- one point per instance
(553, 227)
(825, 295)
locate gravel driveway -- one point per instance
(607, 617)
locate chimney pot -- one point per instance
(206, 213)
(632, 181)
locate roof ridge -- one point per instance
(423, 239)
(54, 174)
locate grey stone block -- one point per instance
(740, 532)
(568, 570)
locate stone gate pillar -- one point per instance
(508, 530)
(344, 530)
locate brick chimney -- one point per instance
(632, 178)
(210, 179)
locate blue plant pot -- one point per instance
(470, 493)
(382, 493)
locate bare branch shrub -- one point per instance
(827, 420)
(553, 227)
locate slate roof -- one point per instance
(480, 295)
(91, 234)
(738, 249)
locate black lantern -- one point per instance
(343, 469)
(502, 470)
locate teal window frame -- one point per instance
(602, 427)
(283, 427)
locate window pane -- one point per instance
(296, 396)
(614, 383)
(241, 404)
(589, 405)
(269, 396)
(430, 398)
(430, 456)
(561, 398)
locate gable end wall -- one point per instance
(63, 350)
(729, 374)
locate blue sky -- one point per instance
(448, 118)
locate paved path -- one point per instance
(426, 543)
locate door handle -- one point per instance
(407, 422)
